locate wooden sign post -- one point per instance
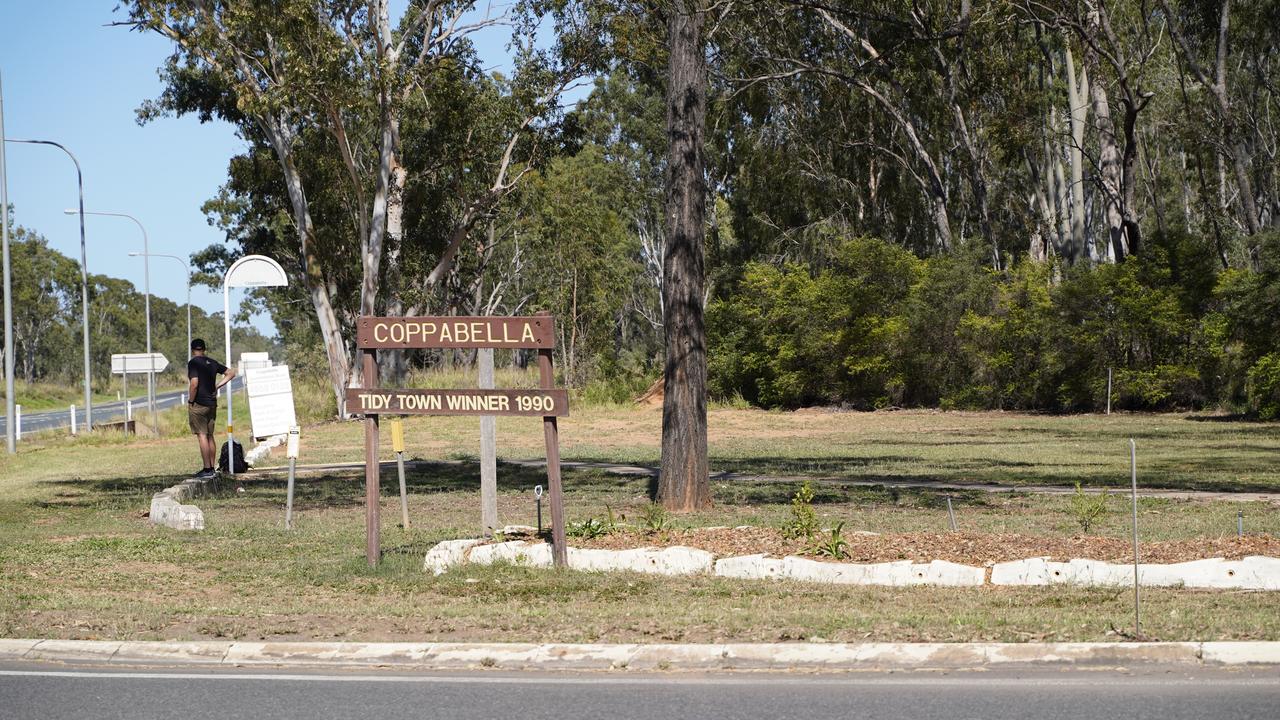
(532, 332)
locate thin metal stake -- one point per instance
(537, 498)
(1133, 471)
(288, 503)
(1239, 524)
(404, 493)
(73, 418)
(1108, 391)
(951, 513)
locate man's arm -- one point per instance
(191, 391)
(226, 377)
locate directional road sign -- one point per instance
(138, 363)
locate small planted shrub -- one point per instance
(832, 544)
(656, 519)
(593, 527)
(803, 521)
(1086, 508)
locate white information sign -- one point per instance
(138, 363)
(251, 360)
(270, 400)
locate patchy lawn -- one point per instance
(78, 560)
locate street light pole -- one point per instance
(84, 280)
(188, 267)
(10, 425)
(146, 288)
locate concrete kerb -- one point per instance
(640, 657)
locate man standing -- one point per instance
(202, 410)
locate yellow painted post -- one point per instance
(397, 444)
(397, 435)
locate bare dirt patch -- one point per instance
(967, 548)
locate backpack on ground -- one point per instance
(238, 455)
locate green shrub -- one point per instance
(803, 521)
(655, 518)
(832, 545)
(1086, 508)
(1264, 387)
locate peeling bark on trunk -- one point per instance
(684, 483)
(1078, 95)
(1109, 173)
(317, 287)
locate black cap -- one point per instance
(197, 344)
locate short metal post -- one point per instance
(17, 413)
(397, 444)
(1239, 524)
(537, 499)
(288, 503)
(291, 449)
(1108, 391)
(951, 513)
(404, 492)
(1133, 471)
(73, 418)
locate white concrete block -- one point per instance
(942, 572)
(798, 568)
(1032, 571)
(675, 560)
(517, 552)
(447, 554)
(1091, 572)
(750, 567)
(895, 574)
(1251, 573)
(263, 448)
(170, 513)
(1263, 572)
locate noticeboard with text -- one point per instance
(271, 410)
(532, 332)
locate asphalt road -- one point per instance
(102, 413)
(58, 691)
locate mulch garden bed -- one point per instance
(960, 547)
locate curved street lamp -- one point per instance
(84, 278)
(146, 288)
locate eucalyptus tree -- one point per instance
(327, 84)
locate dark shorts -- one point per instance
(202, 418)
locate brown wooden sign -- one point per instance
(532, 403)
(536, 332)
(548, 402)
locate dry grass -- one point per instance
(1175, 451)
(77, 560)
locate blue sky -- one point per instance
(70, 78)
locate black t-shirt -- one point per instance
(206, 370)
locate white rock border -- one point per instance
(168, 508)
(1255, 572)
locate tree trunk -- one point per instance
(1109, 172)
(330, 330)
(1078, 96)
(684, 483)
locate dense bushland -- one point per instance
(875, 326)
